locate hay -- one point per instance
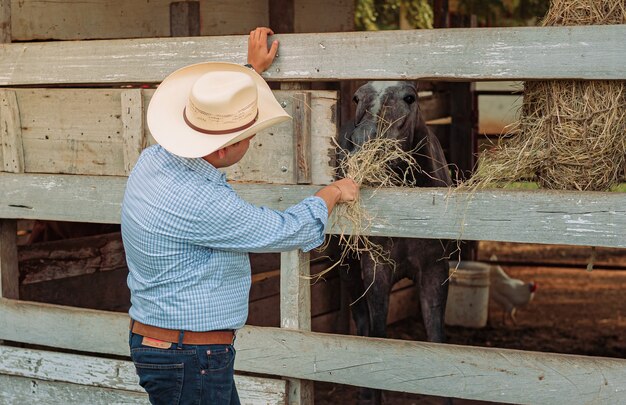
(571, 135)
(374, 165)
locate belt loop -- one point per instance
(234, 337)
(181, 335)
(132, 325)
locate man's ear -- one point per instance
(221, 153)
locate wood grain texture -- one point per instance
(524, 53)
(102, 132)
(302, 133)
(117, 375)
(69, 20)
(9, 270)
(11, 133)
(5, 21)
(295, 311)
(185, 19)
(488, 374)
(552, 217)
(133, 129)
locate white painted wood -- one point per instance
(295, 290)
(20, 390)
(552, 217)
(11, 132)
(101, 132)
(581, 52)
(68, 19)
(488, 374)
(115, 374)
(295, 311)
(133, 131)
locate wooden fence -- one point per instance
(65, 154)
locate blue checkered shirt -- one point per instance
(187, 236)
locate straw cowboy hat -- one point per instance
(204, 107)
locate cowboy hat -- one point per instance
(204, 107)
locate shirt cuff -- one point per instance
(319, 211)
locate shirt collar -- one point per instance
(201, 167)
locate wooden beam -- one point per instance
(551, 217)
(102, 132)
(5, 21)
(521, 53)
(282, 16)
(302, 132)
(109, 374)
(295, 311)
(185, 19)
(133, 131)
(487, 374)
(11, 132)
(9, 271)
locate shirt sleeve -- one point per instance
(225, 221)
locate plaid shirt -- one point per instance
(187, 236)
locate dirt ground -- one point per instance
(574, 311)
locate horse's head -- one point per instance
(390, 109)
(384, 108)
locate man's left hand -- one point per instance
(259, 56)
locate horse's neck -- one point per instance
(430, 159)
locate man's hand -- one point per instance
(258, 55)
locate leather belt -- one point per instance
(217, 337)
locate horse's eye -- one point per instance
(355, 99)
(409, 99)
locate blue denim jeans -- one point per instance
(185, 374)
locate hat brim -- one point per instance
(165, 112)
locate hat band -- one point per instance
(222, 132)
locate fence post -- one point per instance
(295, 312)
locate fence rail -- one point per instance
(584, 52)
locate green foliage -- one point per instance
(374, 15)
(505, 12)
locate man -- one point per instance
(187, 234)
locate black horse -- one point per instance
(422, 260)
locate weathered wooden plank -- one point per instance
(323, 16)
(11, 133)
(488, 374)
(581, 52)
(5, 21)
(9, 271)
(101, 132)
(70, 258)
(115, 374)
(302, 133)
(185, 19)
(133, 131)
(68, 19)
(552, 217)
(295, 311)
(20, 390)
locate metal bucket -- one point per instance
(468, 295)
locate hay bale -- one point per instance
(571, 135)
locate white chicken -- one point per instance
(508, 292)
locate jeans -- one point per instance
(185, 374)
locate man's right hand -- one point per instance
(349, 190)
(341, 191)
